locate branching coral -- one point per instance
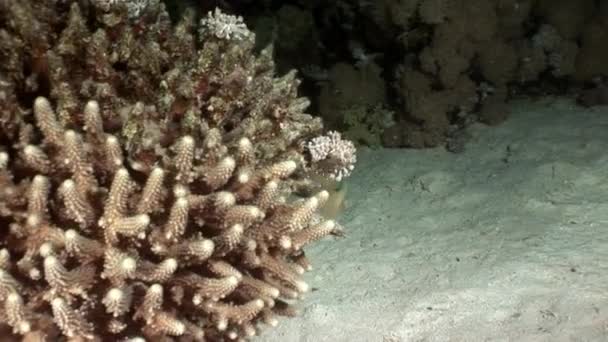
(161, 207)
(332, 155)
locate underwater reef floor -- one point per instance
(507, 241)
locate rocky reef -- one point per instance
(416, 73)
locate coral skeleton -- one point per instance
(157, 203)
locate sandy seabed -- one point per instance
(507, 241)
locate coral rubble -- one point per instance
(147, 175)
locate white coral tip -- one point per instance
(29, 149)
(228, 162)
(171, 263)
(143, 219)
(70, 134)
(46, 249)
(243, 177)
(291, 165)
(323, 195)
(188, 140)
(24, 327)
(302, 286)
(92, 105)
(70, 234)
(50, 261)
(232, 280)
(58, 302)
(115, 294)
(13, 297)
(128, 264)
(226, 198)
(68, 184)
(156, 288)
(244, 143)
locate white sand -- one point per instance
(507, 241)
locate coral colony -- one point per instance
(149, 175)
